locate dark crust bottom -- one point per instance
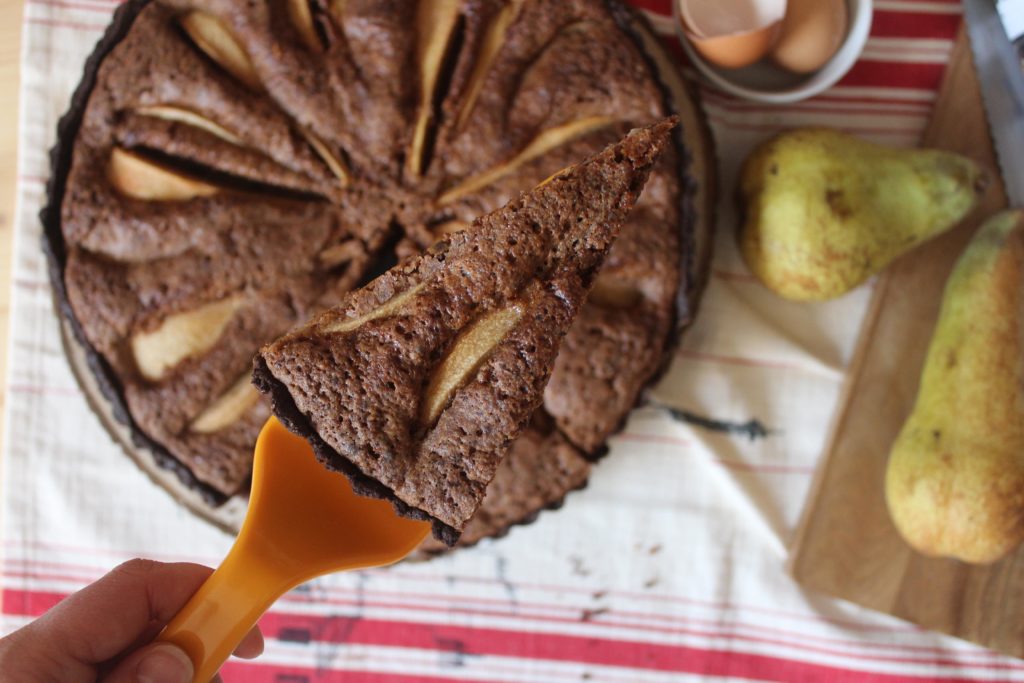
(422, 554)
(627, 18)
(288, 413)
(695, 276)
(108, 382)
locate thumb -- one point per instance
(156, 663)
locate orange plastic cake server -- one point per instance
(303, 521)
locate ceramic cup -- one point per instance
(766, 82)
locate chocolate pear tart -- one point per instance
(230, 170)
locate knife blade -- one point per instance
(1002, 91)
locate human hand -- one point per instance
(104, 632)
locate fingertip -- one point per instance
(252, 644)
(164, 663)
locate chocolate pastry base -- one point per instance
(103, 385)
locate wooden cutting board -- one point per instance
(846, 545)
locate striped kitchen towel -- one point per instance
(668, 567)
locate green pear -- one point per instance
(826, 211)
(955, 479)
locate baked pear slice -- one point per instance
(416, 384)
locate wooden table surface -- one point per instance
(10, 53)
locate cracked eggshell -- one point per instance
(732, 33)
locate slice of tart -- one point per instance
(416, 384)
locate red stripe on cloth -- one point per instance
(835, 101)
(885, 23)
(99, 8)
(834, 97)
(914, 24)
(471, 642)
(24, 283)
(430, 661)
(525, 610)
(868, 72)
(40, 390)
(825, 108)
(903, 653)
(663, 7)
(254, 672)
(27, 603)
(557, 647)
(773, 128)
(259, 672)
(693, 627)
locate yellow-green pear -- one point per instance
(955, 479)
(825, 211)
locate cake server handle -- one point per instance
(226, 607)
